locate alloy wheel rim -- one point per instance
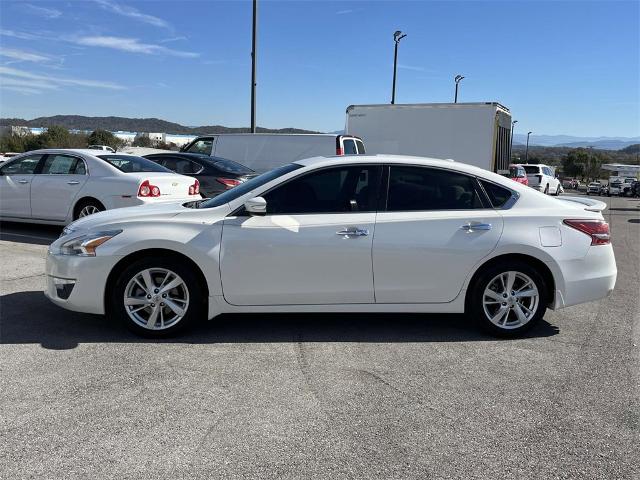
(156, 298)
(88, 210)
(510, 300)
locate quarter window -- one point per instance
(497, 195)
(335, 190)
(23, 166)
(419, 188)
(361, 150)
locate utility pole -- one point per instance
(253, 66)
(513, 128)
(397, 36)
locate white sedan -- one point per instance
(340, 234)
(57, 186)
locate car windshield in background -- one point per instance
(133, 164)
(230, 166)
(249, 185)
(530, 170)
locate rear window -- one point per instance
(202, 145)
(230, 166)
(133, 164)
(516, 172)
(497, 195)
(531, 169)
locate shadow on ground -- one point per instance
(28, 317)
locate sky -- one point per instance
(561, 67)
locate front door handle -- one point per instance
(353, 232)
(472, 227)
(73, 182)
(23, 181)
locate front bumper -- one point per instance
(78, 283)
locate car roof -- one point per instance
(82, 151)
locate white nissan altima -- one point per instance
(57, 186)
(340, 234)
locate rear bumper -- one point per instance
(590, 278)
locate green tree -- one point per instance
(142, 141)
(104, 137)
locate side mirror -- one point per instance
(256, 206)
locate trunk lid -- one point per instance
(171, 185)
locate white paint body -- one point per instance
(466, 132)
(410, 262)
(542, 178)
(52, 198)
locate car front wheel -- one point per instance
(157, 297)
(508, 300)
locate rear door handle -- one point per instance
(353, 232)
(23, 181)
(472, 227)
(73, 182)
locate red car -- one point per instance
(517, 174)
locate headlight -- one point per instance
(85, 245)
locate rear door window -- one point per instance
(497, 195)
(63, 165)
(349, 146)
(422, 188)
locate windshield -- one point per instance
(230, 166)
(249, 185)
(133, 164)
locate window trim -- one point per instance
(484, 199)
(511, 201)
(238, 212)
(45, 156)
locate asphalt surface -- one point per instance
(318, 396)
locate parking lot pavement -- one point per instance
(319, 396)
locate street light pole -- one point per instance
(397, 36)
(253, 66)
(526, 151)
(457, 79)
(513, 128)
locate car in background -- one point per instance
(104, 148)
(517, 174)
(635, 188)
(449, 238)
(57, 186)
(214, 174)
(595, 188)
(543, 179)
(572, 183)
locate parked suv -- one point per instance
(543, 178)
(594, 188)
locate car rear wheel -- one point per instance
(508, 300)
(157, 297)
(87, 207)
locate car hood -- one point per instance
(146, 213)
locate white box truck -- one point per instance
(265, 151)
(474, 133)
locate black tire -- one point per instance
(546, 189)
(514, 327)
(85, 205)
(195, 296)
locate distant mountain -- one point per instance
(605, 143)
(134, 125)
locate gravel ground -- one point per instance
(318, 396)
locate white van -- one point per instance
(265, 151)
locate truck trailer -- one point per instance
(474, 133)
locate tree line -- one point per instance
(60, 137)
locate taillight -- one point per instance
(195, 188)
(339, 151)
(598, 230)
(229, 182)
(148, 190)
